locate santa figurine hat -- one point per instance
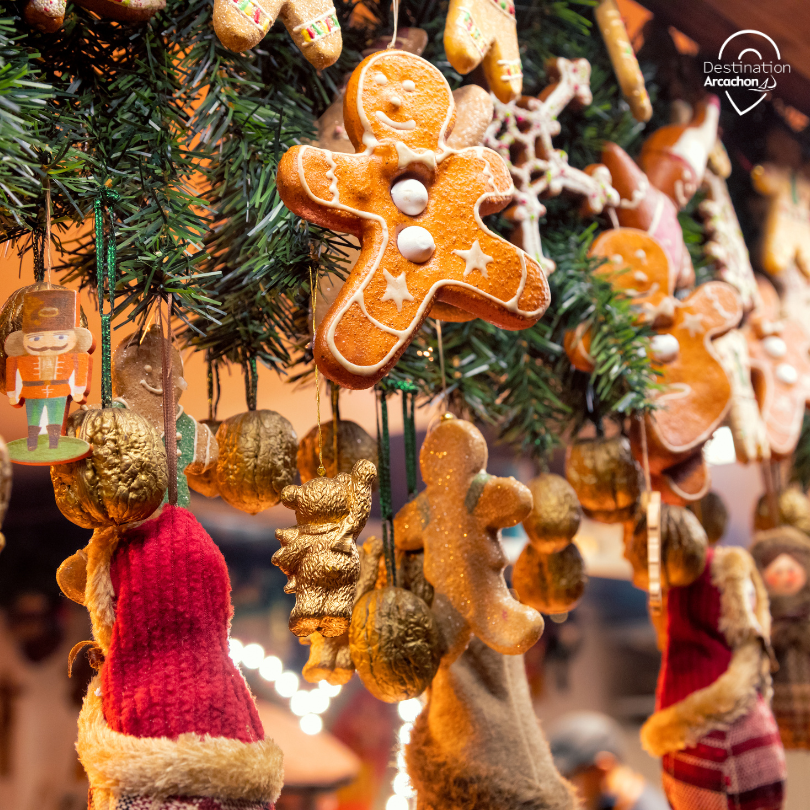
(168, 721)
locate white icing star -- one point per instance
(475, 258)
(693, 323)
(396, 289)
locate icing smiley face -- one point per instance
(405, 100)
(416, 205)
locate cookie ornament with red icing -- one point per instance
(485, 31)
(398, 112)
(695, 389)
(780, 370)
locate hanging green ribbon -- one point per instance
(409, 392)
(251, 383)
(105, 278)
(386, 506)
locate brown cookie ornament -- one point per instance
(416, 206)
(696, 391)
(485, 31)
(319, 555)
(457, 521)
(49, 15)
(312, 24)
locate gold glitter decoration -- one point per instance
(551, 583)
(71, 576)
(456, 520)
(605, 476)
(319, 555)
(794, 510)
(394, 644)
(555, 515)
(256, 459)
(123, 481)
(713, 516)
(683, 548)
(205, 482)
(11, 318)
(353, 444)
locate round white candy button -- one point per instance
(774, 346)
(416, 244)
(664, 348)
(787, 374)
(410, 196)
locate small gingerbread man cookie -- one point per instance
(644, 207)
(696, 391)
(485, 31)
(457, 520)
(780, 370)
(786, 232)
(416, 204)
(313, 25)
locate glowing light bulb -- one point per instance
(271, 668)
(402, 785)
(318, 701)
(405, 733)
(235, 648)
(252, 656)
(287, 684)
(409, 709)
(329, 689)
(397, 803)
(299, 703)
(312, 724)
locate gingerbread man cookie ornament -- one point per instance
(416, 205)
(485, 31)
(786, 232)
(313, 25)
(780, 370)
(457, 520)
(696, 391)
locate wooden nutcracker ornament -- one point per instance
(47, 365)
(312, 24)
(780, 368)
(416, 206)
(485, 31)
(521, 133)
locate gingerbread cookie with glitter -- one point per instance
(521, 134)
(485, 31)
(312, 24)
(416, 204)
(695, 390)
(780, 370)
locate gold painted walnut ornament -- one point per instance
(353, 444)
(205, 483)
(551, 583)
(125, 478)
(394, 644)
(605, 476)
(319, 555)
(555, 515)
(256, 462)
(794, 510)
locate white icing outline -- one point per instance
(403, 126)
(403, 335)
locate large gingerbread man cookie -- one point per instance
(485, 31)
(313, 25)
(695, 389)
(644, 207)
(780, 370)
(416, 206)
(457, 521)
(786, 232)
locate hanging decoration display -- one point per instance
(786, 231)
(783, 558)
(623, 58)
(47, 365)
(550, 575)
(484, 32)
(48, 16)
(137, 384)
(456, 521)
(312, 24)
(521, 133)
(319, 555)
(696, 391)
(403, 266)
